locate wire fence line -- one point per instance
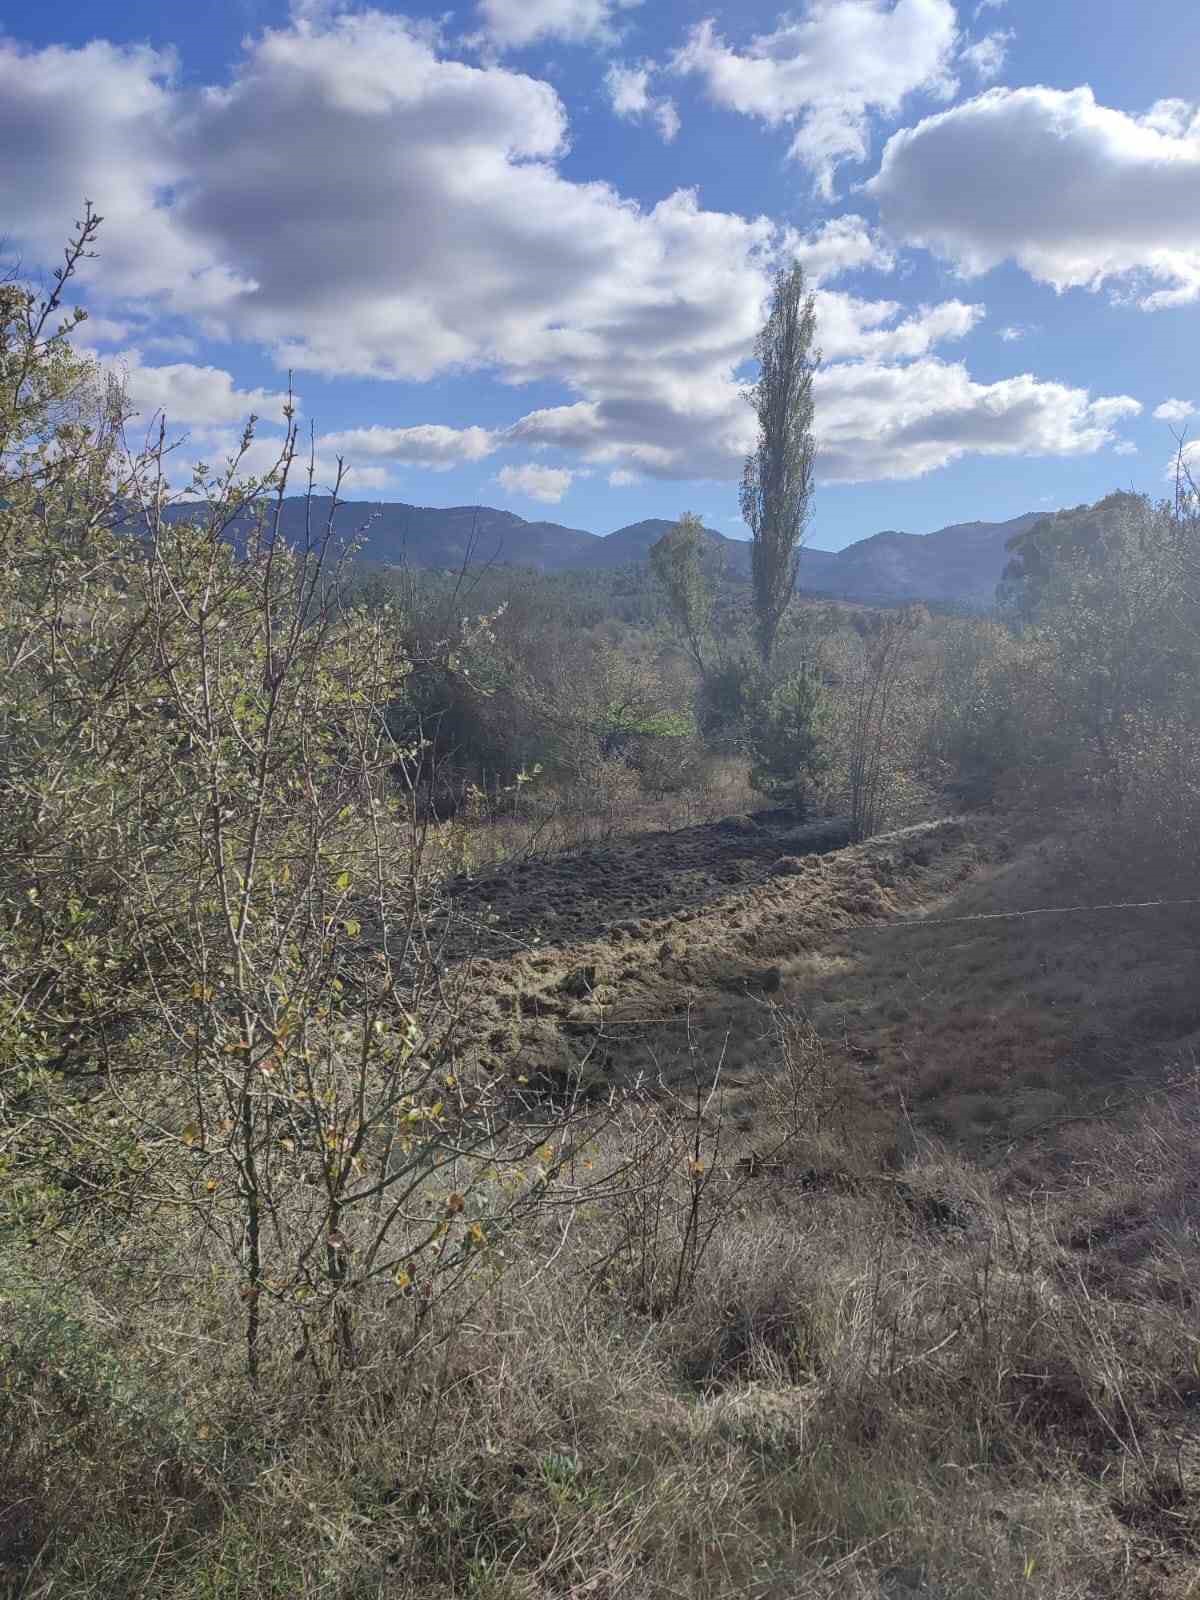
(1008, 916)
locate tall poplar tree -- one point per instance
(777, 484)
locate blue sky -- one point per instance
(516, 253)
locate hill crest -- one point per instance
(959, 564)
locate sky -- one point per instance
(516, 253)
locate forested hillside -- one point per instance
(959, 565)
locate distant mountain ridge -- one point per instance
(960, 564)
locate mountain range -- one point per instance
(959, 565)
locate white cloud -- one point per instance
(1014, 332)
(844, 244)
(628, 90)
(217, 446)
(512, 24)
(853, 329)
(569, 427)
(1077, 194)
(622, 478)
(360, 207)
(102, 123)
(829, 70)
(877, 421)
(1125, 447)
(101, 330)
(666, 115)
(986, 57)
(1174, 411)
(189, 395)
(548, 484)
(427, 445)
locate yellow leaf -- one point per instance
(190, 1134)
(353, 929)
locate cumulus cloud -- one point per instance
(828, 71)
(512, 24)
(188, 395)
(548, 484)
(878, 421)
(986, 57)
(102, 123)
(1174, 411)
(1079, 195)
(430, 445)
(876, 330)
(843, 244)
(359, 206)
(628, 90)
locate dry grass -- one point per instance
(860, 1394)
(808, 1347)
(539, 822)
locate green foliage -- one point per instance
(976, 734)
(206, 797)
(787, 740)
(883, 644)
(1087, 537)
(777, 484)
(677, 563)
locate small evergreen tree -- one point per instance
(787, 749)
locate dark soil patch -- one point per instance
(578, 895)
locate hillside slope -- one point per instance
(960, 564)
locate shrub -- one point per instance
(787, 746)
